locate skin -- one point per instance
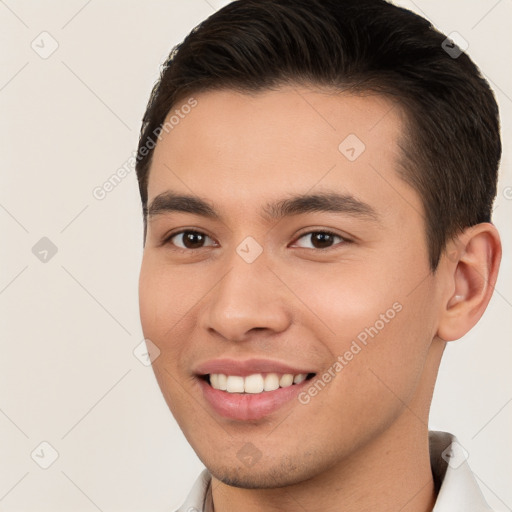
(362, 442)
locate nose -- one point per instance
(247, 299)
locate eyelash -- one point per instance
(167, 240)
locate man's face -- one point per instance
(257, 293)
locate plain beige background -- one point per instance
(69, 319)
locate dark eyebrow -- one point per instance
(298, 204)
(320, 202)
(173, 202)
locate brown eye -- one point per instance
(189, 239)
(320, 239)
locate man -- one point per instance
(317, 179)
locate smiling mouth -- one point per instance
(255, 383)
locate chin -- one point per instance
(262, 476)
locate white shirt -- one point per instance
(458, 488)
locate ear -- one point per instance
(470, 266)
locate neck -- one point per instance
(390, 473)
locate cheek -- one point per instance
(165, 297)
(160, 312)
(352, 296)
(170, 298)
(150, 298)
(345, 298)
(376, 320)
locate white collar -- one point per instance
(459, 490)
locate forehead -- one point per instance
(243, 149)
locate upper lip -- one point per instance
(247, 367)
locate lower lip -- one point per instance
(248, 406)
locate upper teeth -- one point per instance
(255, 383)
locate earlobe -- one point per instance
(471, 271)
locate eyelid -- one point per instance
(167, 239)
(310, 231)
